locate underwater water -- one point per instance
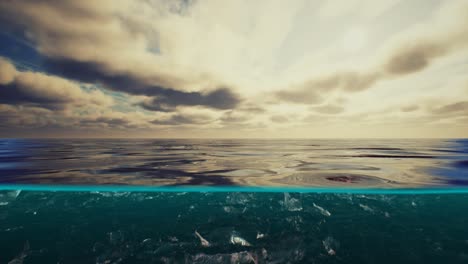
(233, 201)
(235, 227)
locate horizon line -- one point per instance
(228, 138)
(255, 189)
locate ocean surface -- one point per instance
(233, 201)
(281, 163)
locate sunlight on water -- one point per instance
(280, 163)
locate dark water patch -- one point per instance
(447, 150)
(462, 163)
(49, 178)
(378, 148)
(460, 182)
(14, 158)
(147, 172)
(132, 153)
(176, 147)
(308, 166)
(10, 175)
(198, 179)
(61, 151)
(175, 162)
(69, 158)
(344, 178)
(391, 156)
(187, 178)
(334, 179)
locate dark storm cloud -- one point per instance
(93, 72)
(16, 94)
(164, 99)
(38, 89)
(86, 41)
(167, 99)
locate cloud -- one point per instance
(107, 121)
(12, 116)
(414, 58)
(164, 99)
(7, 72)
(366, 8)
(240, 62)
(105, 43)
(112, 119)
(18, 87)
(313, 91)
(29, 118)
(328, 109)
(234, 117)
(180, 119)
(402, 61)
(411, 53)
(409, 108)
(167, 100)
(252, 108)
(305, 96)
(452, 108)
(279, 119)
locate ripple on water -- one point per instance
(322, 163)
(335, 179)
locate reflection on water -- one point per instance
(319, 163)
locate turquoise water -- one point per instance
(240, 227)
(233, 201)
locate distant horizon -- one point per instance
(234, 69)
(246, 138)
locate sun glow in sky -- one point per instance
(209, 68)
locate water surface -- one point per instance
(233, 201)
(358, 163)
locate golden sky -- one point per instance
(234, 69)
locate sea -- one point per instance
(233, 201)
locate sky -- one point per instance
(234, 68)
